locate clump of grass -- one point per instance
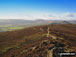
(4, 50)
(8, 48)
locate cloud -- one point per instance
(46, 16)
(69, 15)
(63, 16)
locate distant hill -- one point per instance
(73, 21)
(61, 22)
(15, 24)
(34, 22)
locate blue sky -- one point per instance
(37, 9)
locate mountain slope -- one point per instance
(16, 43)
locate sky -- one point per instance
(38, 9)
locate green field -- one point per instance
(10, 27)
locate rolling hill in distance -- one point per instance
(21, 21)
(15, 24)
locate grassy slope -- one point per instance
(16, 38)
(66, 31)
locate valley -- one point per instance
(16, 24)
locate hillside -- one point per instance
(38, 41)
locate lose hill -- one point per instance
(39, 41)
